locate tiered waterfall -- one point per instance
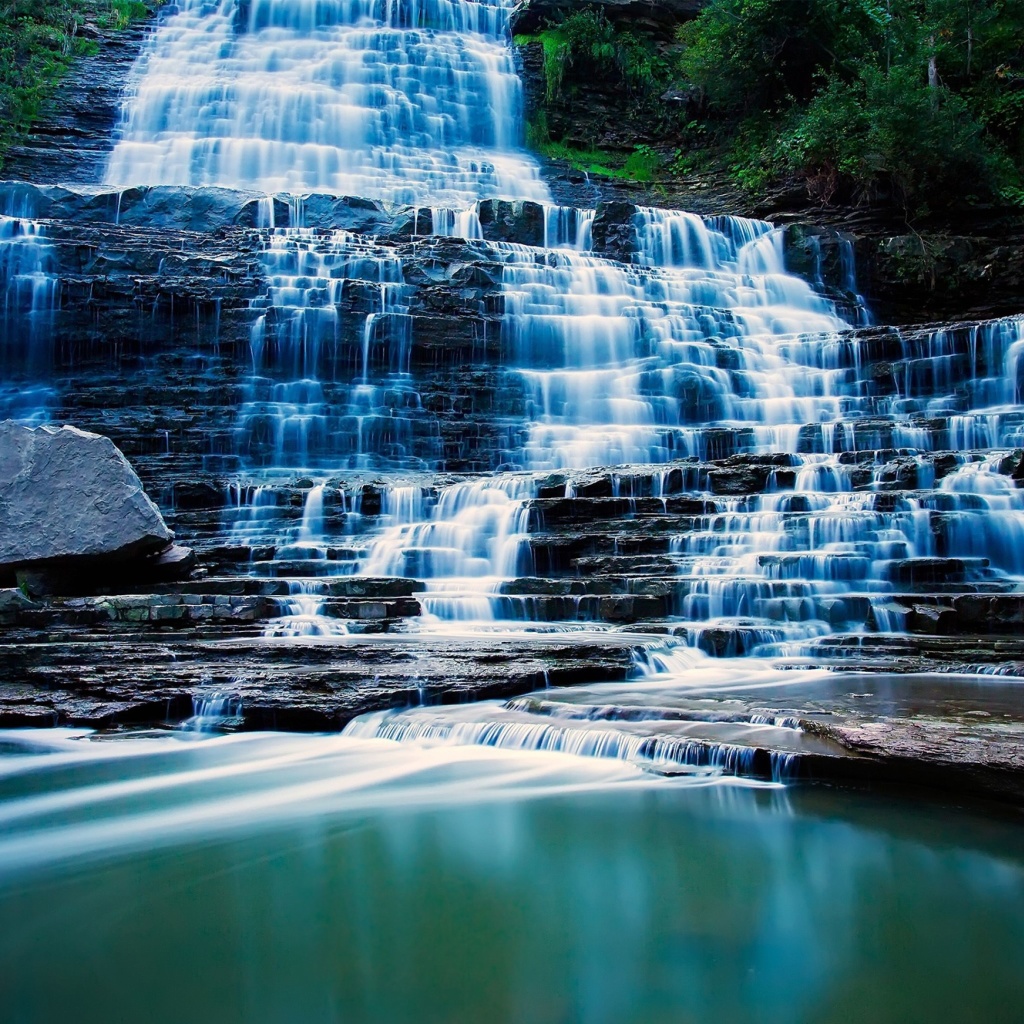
(385, 386)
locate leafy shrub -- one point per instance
(915, 99)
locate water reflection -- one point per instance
(371, 882)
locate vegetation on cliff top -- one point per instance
(918, 102)
(38, 41)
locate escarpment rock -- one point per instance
(68, 497)
(302, 403)
(191, 208)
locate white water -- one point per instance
(622, 364)
(703, 348)
(410, 101)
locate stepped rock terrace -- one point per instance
(387, 426)
(402, 405)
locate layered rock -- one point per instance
(194, 349)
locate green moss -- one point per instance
(556, 54)
(593, 161)
(641, 165)
(586, 43)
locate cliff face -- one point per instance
(70, 141)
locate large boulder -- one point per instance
(68, 497)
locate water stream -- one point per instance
(335, 879)
(607, 852)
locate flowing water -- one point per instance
(702, 347)
(274, 878)
(609, 852)
(413, 101)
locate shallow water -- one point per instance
(283, 878)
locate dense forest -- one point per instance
(909, 101)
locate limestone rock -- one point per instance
(69, 495)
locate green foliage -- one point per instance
(922, 100)
(123, 12)
(643, 164)
(593, 161)
(586, 44)
(38, 41)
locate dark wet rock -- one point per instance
(68, 497)
(412, 220)
(504, 221)
(89, 576)
(942, 273)
(190, 208)
(281, 684)
(614, 231)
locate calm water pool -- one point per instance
(283, 878)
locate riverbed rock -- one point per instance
(68, 497)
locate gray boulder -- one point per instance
(70, 497)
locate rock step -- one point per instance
(342, 586)
(310, 684)
(159, 610)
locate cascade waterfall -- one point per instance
(875, 460)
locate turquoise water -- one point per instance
(278, 878)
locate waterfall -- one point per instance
(410, 101)
(29, 301)
(700, 346)
(472, 539)
(621, 363)
(315, 398)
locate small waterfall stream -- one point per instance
(29, 300)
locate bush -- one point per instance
(891, 131)
(642, 164)
(913, 98)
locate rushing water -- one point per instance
(271, 878)
(707, 348)
(411, 101)
(703, 346)
(608, 853)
